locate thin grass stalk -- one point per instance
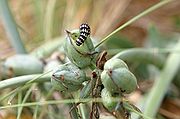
(162, 83)
(48, 20)
(19, 102)
(35, 113)
(24, 100)
(11, 27)
(13, 93)
(39, 17)
(84, 111)
(54, 102)
(145, 12)
(69, 14)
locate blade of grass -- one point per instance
(45, 103)
(35, 112)
(19, 102)
(52, 102)
(39, 14)
(162, 83)
(11, 27)
(156, 6)
(24, 100)
(48, 20)
(13, 93)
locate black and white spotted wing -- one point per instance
(85, 31)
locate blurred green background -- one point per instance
(39, 21)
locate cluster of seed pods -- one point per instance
(115, 77)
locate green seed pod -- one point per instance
(83, 55)
(68, 78)
(114, 64)
(107, 100)
(119, 80)
(22, 65)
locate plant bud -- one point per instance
(107, 100)
(116, 79)
(68, 78)
(81, 56)
(22, 65)
(114, 64)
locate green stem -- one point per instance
(48, 20)
(24, 100)
(49, 47)
(39, 16)
(156, 6)
(162, 83)
(11, 27)
(142, 55)
(84, 111)
(19, 102)
(52, 102)
(14, 92)
(16, 81)
(35, 113)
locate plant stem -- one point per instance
(156, 6)
(48, 20)
(24, 100)
(142, 55)
(162, 83)
(47, 48)
(16, 81)
(51, 102)
(19, 102)
(84, 111)
(10, 27)
(39, 17)
(13, 93)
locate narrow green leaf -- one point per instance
(162, 83)
(11, 27)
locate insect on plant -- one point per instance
(108, 79)
(84, 33)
